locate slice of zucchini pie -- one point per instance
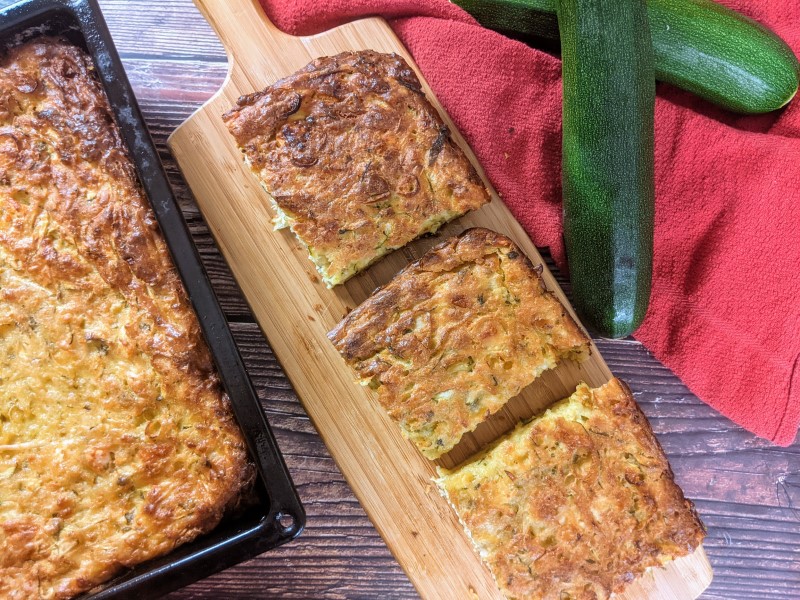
(455, 335)
(575, 504)
(354, 158)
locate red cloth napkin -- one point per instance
(725, 307)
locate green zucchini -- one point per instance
(698, 45)
(721, 55)
(536, 18)
(608, 151)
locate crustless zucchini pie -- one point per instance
(455, 335)
(117, 442)
(355, 160)
(575, 504)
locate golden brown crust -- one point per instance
(455, 335)
(117, 442)
(577, 503)
(356, 158)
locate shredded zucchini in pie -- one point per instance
(355, 160)
(575, 504)
(117, 441)
(455, 335)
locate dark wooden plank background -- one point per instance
(746, 491)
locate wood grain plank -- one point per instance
(327, 561)
(161, 29)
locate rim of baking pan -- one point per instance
(255, 530)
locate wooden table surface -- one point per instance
(746, 491)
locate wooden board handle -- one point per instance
(243, 25)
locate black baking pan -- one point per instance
(276, 516)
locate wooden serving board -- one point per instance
(390, 478)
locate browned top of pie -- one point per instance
(355, 159)
(455, 335)
(575, 504)
(117, 442)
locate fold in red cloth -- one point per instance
(725, 307)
